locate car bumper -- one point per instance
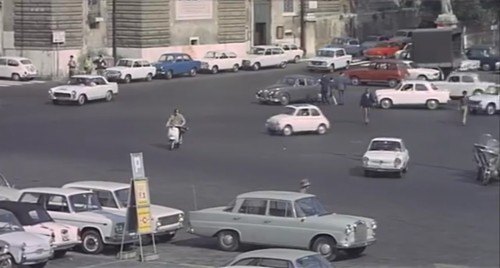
(356, 244)
(168, 229)
(29, 75)
(34, 258)
(318, 67)
(383, 168)
(117, 239)
(66, 245)
(476, 107)
(114, 78)
(266, 98)
(65, 97)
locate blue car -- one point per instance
(171, 64)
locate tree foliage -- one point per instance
(478, 12)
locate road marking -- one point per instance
(9, 83)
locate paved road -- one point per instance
(437, 215)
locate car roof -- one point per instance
(464, 73)
(272, 253)
(302, 105)
(387, 139)
(175, 53)
(54, 190)
(331, 48)
(14, 58)
(89, 76)
(264, 46)
(281, 195)
(133, 59)
(219, 51)
(99, 185)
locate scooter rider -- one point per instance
(177, 120)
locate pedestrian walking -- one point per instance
(340, 84)
(100, 65)
(304, 185)
(87, 65)
(366, 102)
(464, 107)
(71, 66)
(325, 85)
(331, 86)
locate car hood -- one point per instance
(337, 219)
(383, 155)
(424, 70)
(117, 68)
(31, 239)
(278, 117)
(68, 88)
(161, 211)
(384, 91)
(483, 98)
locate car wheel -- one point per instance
(321, 129)
(354, 252)
(127, 79)
(8, 263)
(169, 75)
(82, 99)
(55, 102)
(348, 65)
(432, 104)
(228, 240)
(393, 83)
(109, 96)
(491, 109)
(58, 254)
(149, 77)
(283, 65)
(367, 173)
(192, 72)
(256, 66)
(166, 238)
(92, 242)
(421, 77)
(486, 67)
(477, 92)
(215, 69)
(146, 239)
(285, 99)
(296, 59)
(386, 103)
(355, 81)
(326, 246)
(38, 265)
(399, 174)
(332, 68)
(287, 130)
(236, 68)
(15, 77)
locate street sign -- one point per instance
(58, 37)
(143, 206)
(137, 165)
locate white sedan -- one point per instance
(293, 52)
(83, 88)
(265, 56)
(215, 61)
(416, 72)
(413, 93)
(298, 118)
(129, 69)
(386, 155)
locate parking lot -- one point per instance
(437, 215)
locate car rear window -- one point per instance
(26, 62)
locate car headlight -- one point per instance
(373, 225)
(158, 223)
(50, 91)
(349, 229)
(181, 217)
(365, 160)
(5, 249)
(397, 162)
(73, 93)
(23, 246)
(119, 227)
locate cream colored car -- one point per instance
(298, 118)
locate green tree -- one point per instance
(476, 12)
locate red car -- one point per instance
(379, 71)
(383, 50)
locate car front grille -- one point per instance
(62, 95)
(360, 234)
(316, 62)
(168, 220)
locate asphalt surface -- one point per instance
(436, 215)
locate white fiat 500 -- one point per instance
(386, 155)
(298, 118)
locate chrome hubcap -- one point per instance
(91, 243)
(325, 249)
(228, 240)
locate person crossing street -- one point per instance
(366, 102)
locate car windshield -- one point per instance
(210, 55)
(385, 146)
(166, 57)
(313, 261)
(84, 202)
(230, 206)
(325, 53)
(257, 51)
(125, 63)
(122, 196)
(26, 62)
(9, 223)
(492, 90)
(309, 206)
(289, 111)
(287, 81)
(77, 81)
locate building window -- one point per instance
(288, 6)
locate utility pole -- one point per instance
(113, 26)
(303, 25)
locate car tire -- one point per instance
(92, 242)
(354, 252)
(169, 75)
(55, 102)
(386, 103)
(432, 104)
(284, 99)
(287, 130)
(283, 65)
(367, 173)
(146, 239)
(355, 81)
(296, 59)
(127, 79)
(59, 254)
(321, 129)
(491, 109)
(486, 67)
(348, 65)
(109, 96)
(8, 263)
(256, 66)
(149, 77)
(228, 240)
(38, 265)
(422, 77)
(192, 72)
(236, 68)
(82, 99)
(477, 92)
(332, 68)
(399, 174)
(326, 246)
(393, 83)
(166, 238)
(15, 77)
(215, 69)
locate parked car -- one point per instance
(372, 41)
(83, 88)
(404, 53)
(215, 61)
(487, 55)
(5, 257)
(383, 50)
(24, 248)
(403, 36)
(113, 197)
(458, 82)
(128, 69)
(329, 59)
(291, 88)
(171, 64)
(489, 102)
(17, 68)
(389, 72)
(298, 118)
(266, 218)
(265, 56)
(386, 155)
(279, 258)
(81, 208)
(35, 219)
(413, 92)
(351, 45)
(293, 52)
(417, 73)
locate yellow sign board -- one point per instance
(142, 201)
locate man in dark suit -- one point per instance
(366, 102)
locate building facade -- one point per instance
(49, 31)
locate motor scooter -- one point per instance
(174, 137)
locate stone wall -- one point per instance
(386, 22)
(232, 21)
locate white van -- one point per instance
(17, 68)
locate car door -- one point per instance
(421, 93)
(454, 85)
(288, 51)
(300, 91)
(467, 84)
(145, 68)
(135, 70)
(13, 66)
(4, 71)
(249, 220)
(302, 120)
(340, 59)
(278, 56)
(404, 95)
(380, 73)
(179, 67)
(224, 62)
(312, 90)
(100, 88)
